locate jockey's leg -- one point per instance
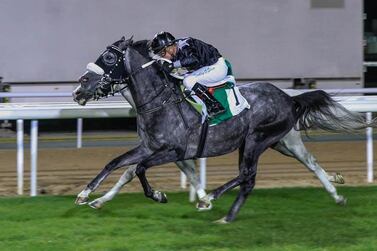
(199, 79)
(214, 107)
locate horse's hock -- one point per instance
(67, 171)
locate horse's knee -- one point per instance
(140, 169)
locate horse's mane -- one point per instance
(141, 47)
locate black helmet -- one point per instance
(161, 40)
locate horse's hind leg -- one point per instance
(248, 171)
(245, 190)
(294, 137)
(205, 202)
(134, 156)
(188, 168)
(292, 145)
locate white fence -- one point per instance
(36, 111)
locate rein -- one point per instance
(164, 102)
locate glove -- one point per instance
(167, 66)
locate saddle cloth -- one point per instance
(229, 96)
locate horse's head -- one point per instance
(100, 76)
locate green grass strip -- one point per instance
(272, 219)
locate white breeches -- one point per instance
(207, 75)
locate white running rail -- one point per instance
(111, 109)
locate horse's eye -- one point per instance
(109, 58)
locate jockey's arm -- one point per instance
(187, 61)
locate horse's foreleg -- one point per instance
(126, 177)
(187, 166)
(158, 158)
(134, 156)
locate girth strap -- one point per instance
(202, 140)
(155, 109)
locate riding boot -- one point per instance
(214, 107)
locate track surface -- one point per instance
(66, 170)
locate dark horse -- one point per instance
(170, 129)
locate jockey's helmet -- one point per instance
(160, 41)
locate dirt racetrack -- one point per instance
(67, 171)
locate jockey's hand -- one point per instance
(167, 66)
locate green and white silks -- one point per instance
(227, 93)
(232, 100)
(229, 96)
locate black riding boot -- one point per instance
(214, 107)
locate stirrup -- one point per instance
(215, 109)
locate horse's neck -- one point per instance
(127, 95)
(187, 113)
(145, 96)
(150, 90)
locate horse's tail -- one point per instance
(317, 109)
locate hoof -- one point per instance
(160, 197)
(338, 178)
(222, 221)
(95, 204)
(341, 201)
(204, 206)
(81, 200)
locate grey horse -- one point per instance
(170, 129)
(291, 145)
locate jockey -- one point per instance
(203, 61)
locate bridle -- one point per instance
(109, 82)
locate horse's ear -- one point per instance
(123, 38)
(130, 41)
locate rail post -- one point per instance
(369, 134)
(33, 157)
(20, 156)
